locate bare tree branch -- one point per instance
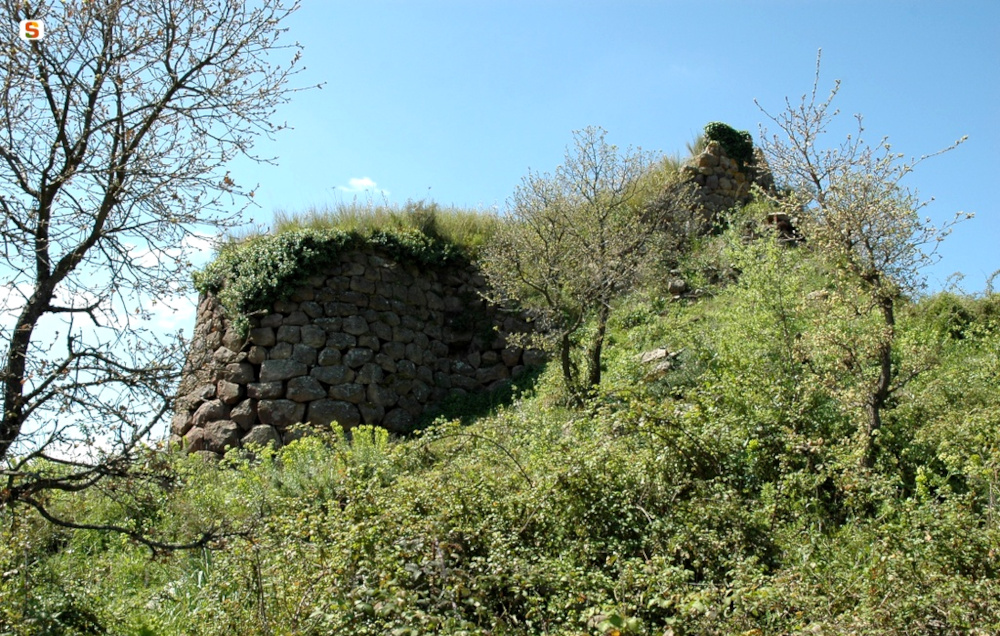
(115, 132)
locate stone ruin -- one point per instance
(722, 182)
(369, 341)
(377, 342)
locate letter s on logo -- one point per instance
(32, 30)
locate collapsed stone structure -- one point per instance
(368, 341)
(722, 182)
(375, 341)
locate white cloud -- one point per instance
(362, 184)
(175, 313)
(196, 246)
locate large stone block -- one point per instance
(398, 421)
(341, 341)
(233, 340)
(271, 320)
(312, 309)
(382, 396)
(382, 330)
(324, 412)
(263, 336)
(348, 392)
(488, 375)
(289, 333)
(329, 325)
(181, 423)
(262, 435)
(296, 318)
(221, 435)
(395, 350)
(390, 318)
(224, 355)
(209, 411)
(229, 392)
(421, 392)
(256, 355)
(304, 353)
(244, 414)
(304, 389)
(371, 413)
(355, 325)
(265, 390)
(280, 413)
(313, 336)
(362, 285)
(358, 356)
(329, 357)
(336, 374)
(280, 351)
(387, 363)
(239, 373)
(370, 373)
(194, 440)
(272, 370)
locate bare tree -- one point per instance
(575, 240)
(856, 212)
(114, 133)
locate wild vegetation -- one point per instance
(723, 495)
(578, 239)
(808, 446)
(252, 271)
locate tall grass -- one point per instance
(465, 228)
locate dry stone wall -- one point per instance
(722, 182)
(370, 341)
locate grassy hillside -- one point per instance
(715, 489)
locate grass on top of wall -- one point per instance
(252, 271)
(466, 229)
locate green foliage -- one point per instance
(719, 494)
(738, 144)
(249, 276)
(574, 241)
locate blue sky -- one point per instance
(453, 101)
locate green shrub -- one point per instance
(249, 276)
(738, 144)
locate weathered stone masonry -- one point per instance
(369, 341)
(722, 182)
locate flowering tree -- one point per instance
(857, 214)
(576, 240)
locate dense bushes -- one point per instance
(722, 496)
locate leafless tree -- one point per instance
(115, 131)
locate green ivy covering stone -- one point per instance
(249, 276)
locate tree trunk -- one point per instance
(565, 348)
(880, 394)
(13, 372)
(597, 347)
